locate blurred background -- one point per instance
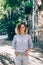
(13, 12)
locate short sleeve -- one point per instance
(30, 43)
(14, 43)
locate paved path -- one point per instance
(3, 36)
(7, 54)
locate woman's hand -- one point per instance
(16, 53)
(26, 53)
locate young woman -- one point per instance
(22, 43)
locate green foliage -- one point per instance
(28, 7)
(12, 3)
(13, 15)
(5, 6)
(2, 27)
(28, 4)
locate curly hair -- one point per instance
(18, 26)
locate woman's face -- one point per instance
(22, 29)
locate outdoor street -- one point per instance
(29, 12)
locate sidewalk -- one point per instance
(5, 42)
(7, 54)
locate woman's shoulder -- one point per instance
(28, 35)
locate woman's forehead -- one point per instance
(22, 25)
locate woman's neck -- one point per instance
(22, 33)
